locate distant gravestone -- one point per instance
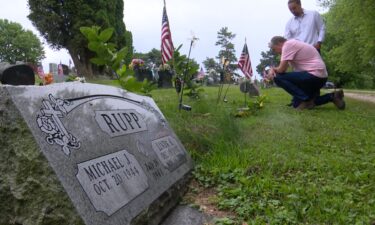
(141, 74)
(16, 74)
(165, 79)
(113, 152)
(66, 69)
(248, 87)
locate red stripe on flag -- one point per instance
(244, 63)
(166, 39)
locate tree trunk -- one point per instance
(82, 64)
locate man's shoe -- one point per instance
(338, 94)
(338, 99)
(306, 105)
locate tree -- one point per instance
(59, 23)
(227, 47)
(269, 58)
(17, 44)
(349, 49)
(153, 57)
(211, 64)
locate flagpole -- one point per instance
(225, 95)
(222, 78)
(184, 76)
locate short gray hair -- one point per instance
(298, 2)
(276, 40)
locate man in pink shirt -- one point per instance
(308, 76)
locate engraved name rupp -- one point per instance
(120, 122)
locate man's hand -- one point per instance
(270, 74)
(318, 45)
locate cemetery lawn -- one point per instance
(278, 165)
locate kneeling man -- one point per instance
(308, 77)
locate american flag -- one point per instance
(60, 71)
(166, 39)
(244, 62)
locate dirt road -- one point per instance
(362, 96)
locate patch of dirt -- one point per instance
(206, 199)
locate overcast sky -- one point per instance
(257, 21)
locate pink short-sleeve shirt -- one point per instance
(303, 57)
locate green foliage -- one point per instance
(211, 64)
(186, 69)
(269, 58)
(71, 78)
(59, 23)
(106, 55)
(152, 57)
(252, 108)
(258, 103)
(282, 166)
(224, 221)
(349, 48)
(17, 44)
(227, 50)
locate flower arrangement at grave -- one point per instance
(165, 67)
(137, 64)
(48, 79)
(72, 78)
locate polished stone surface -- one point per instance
(113, 151)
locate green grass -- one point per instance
(279, 165)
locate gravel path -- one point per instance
(362, 96)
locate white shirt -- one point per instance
(309, 27)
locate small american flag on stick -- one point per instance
(166, 39)
(244, 63)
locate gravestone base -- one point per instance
(185, 215)
(158, 210)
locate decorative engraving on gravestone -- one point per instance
(169, 152)
(49, 120)
(112, 181)
(120, 122)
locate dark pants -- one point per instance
(303, 86)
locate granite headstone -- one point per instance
(113, 151)
(248, 87)
(16, 74)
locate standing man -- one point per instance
(308, 76)
(306, 25)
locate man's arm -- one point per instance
(287, 33)
(283, 66)
(321, 28)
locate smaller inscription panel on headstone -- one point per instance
(112, 181)
(168, 152)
